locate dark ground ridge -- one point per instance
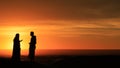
(64, 61)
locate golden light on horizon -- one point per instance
(8, 34)
(67, 35)
(60, 24)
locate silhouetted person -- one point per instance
(16, 48)
(32, 46)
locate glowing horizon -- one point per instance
(61, 24)
(82, 30)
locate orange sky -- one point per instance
(61, 24)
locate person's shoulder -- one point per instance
(34, 36)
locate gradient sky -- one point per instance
(61, 24)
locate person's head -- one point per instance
(17, 35)
(31, 33)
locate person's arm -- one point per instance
(35, 40)
(21, 40)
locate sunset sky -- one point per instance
(61, 24)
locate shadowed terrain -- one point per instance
(60, 61)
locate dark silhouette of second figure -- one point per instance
(32, 46)
(16, 48)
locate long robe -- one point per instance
(16, 49)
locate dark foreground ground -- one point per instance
(65, 62)
(68, 58)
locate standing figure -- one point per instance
(32, 46)
(16, 48)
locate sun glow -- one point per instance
(8, 34)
